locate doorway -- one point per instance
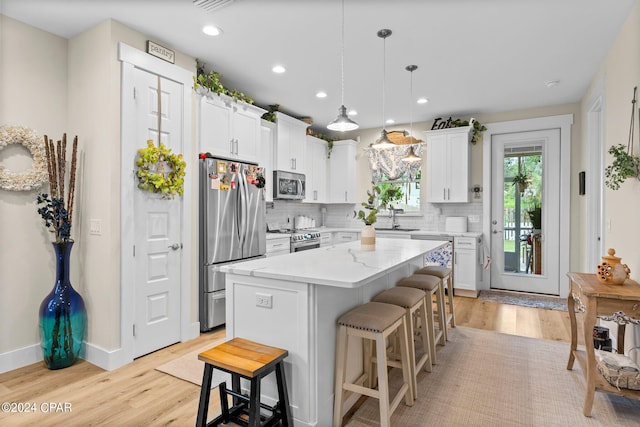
(517, 134)
(525, 211)
(148, 234)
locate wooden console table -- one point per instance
(618, 303)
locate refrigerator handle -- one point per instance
(242, 187)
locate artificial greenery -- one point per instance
(625, 165)
(211, 81)
(372, 216)
(270, 115)
(153, 177)
(56, 209)
(477, 128)
(324, 137)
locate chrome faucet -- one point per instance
(394, 219)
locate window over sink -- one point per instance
(399, 181)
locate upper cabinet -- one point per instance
(316, 165)
(267, 156)
(342, 172)
(291, 135)
(229, 128)
(448, 165)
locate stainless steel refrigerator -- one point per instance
(232, 227)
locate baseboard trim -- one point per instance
(20, 357)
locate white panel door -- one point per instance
(157, 253)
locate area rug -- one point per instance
(525, 299)
(189, 368)
(486, 378)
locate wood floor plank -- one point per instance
(138, 395)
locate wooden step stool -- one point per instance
(252, 361)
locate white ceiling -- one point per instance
(474, 56)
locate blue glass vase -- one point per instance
(63, 316)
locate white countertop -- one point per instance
(358, 230)
(343, 265)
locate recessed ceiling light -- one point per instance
(210, 30)
(552, 83)
(390, 121)
(423, 100)
(278, 69)
(352, 113)
(321, 94)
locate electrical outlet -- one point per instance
(264, 300)
(95, 227)
(474, 218)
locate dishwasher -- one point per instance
(442, 256)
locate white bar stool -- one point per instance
(373, 321)
(413, 302)
(444, 273)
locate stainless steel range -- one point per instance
(304, 240)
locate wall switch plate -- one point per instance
(95, 227)
(264, 300)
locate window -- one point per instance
(399, 181)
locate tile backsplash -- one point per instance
(344, 215)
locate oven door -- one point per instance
(297, 247)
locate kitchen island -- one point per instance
(293, 302)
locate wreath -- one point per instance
(152, 172)
(154, 177)
(29, 179)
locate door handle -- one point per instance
(175, 246)
(497, 231)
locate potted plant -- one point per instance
(521, 181)
(535, 215)
(368, 233)
(625, 165)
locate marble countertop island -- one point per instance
(293, 302)
(343, 265)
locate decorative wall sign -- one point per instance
(161, 52)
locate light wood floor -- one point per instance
(138, 395)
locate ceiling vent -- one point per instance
(211, 5)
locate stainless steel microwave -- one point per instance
(288, 186)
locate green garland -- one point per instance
(151, 165)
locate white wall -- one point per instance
(55, 86)
(34, 94)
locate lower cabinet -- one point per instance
(466, 266)
(326, 239)
(345, 236)
(392, 235)
(279, 246)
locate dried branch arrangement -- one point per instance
(57, 208)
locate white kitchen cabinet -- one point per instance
(466, 265)
(278, 246)
(267, 156)
(345, 236)
(316, 166)
(448, 165)
(229, 128)
(326, 239)
(291, 136)
(342, 172)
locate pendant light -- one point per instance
(342, 122)
(411, 157)
(383, 142)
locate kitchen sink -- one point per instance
(396, 229)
